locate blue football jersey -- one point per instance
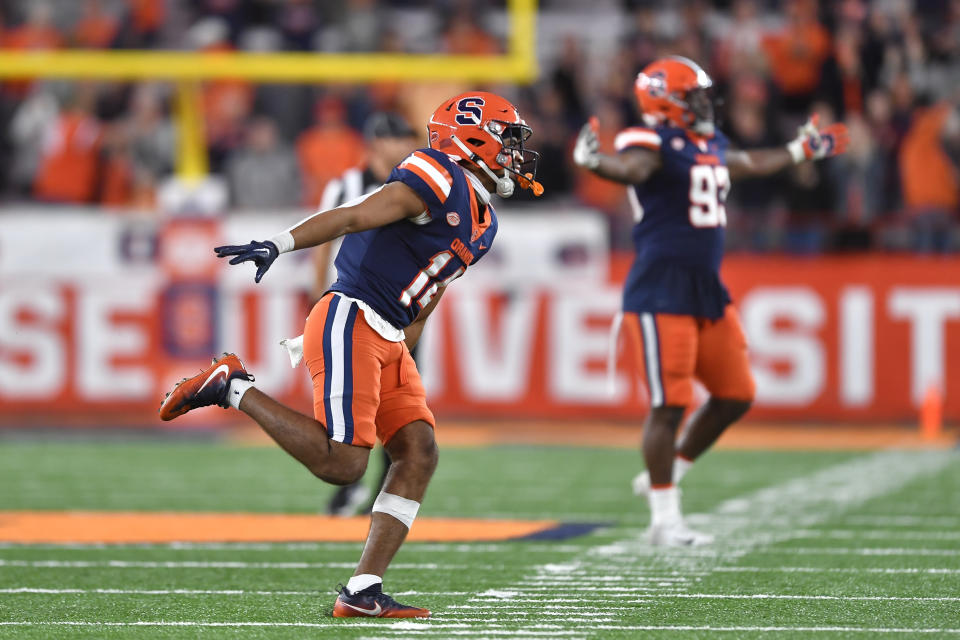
(398, 268)
(680, 218)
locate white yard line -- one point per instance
(890, 570)
(156, 592)
(903, 521)
(778, 596)
(467, 629)
(753, 596)
(877, 534)
(459, 547)
(200, 592)
(186, 564)
(860, 551)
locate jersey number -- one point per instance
(709, 186)
(419, 289)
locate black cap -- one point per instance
(385, 124)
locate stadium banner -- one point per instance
(100, 315)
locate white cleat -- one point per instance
(641, 484)
(677, 534)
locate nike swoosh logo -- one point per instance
(215, 373)
(370, 612)
(265, 252)
(482, 247)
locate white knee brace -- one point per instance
(403, 509)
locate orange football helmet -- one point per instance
(674, 90)
(487, 130)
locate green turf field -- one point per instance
(811, 545)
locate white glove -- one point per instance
(586, 151)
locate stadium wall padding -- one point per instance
(96, 336)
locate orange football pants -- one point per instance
(675, 349)
(364, 386)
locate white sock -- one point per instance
(664, 505)
(238, 387)
(362, 581)
(680, 467)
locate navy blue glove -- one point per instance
(261, 254)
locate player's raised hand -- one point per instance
(262, 254)
(586, 150)
(815, 143)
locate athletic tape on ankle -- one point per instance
(238, 387)
(402, 509)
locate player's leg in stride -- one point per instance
(226, 383)
(667, 344)
(677, 349)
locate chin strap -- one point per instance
(505, 185)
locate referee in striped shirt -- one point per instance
(389, 139)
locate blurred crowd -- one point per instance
(890, 69)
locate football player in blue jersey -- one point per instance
(677, 315)
(404, 244)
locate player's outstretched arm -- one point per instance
(390, 203)
(414, 329)
(811, 143)
(632, 166)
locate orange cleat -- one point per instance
(372, 602)
(209, 387)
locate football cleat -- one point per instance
(677, 534)
(209, 387)
(372, 602)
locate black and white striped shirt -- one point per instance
(354, 183)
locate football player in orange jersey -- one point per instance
(677, 314)
(403, 245)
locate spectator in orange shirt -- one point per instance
(37, 32)
(464, 36)
(931, 176)
(116, 188)
(328, 149)
(96, 29)
(146, 18)
(797, 53)
(69, 165)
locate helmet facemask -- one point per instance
(514, 158)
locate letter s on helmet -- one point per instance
(486, 130)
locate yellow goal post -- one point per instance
(518, 64)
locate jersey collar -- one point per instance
(478, 187)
